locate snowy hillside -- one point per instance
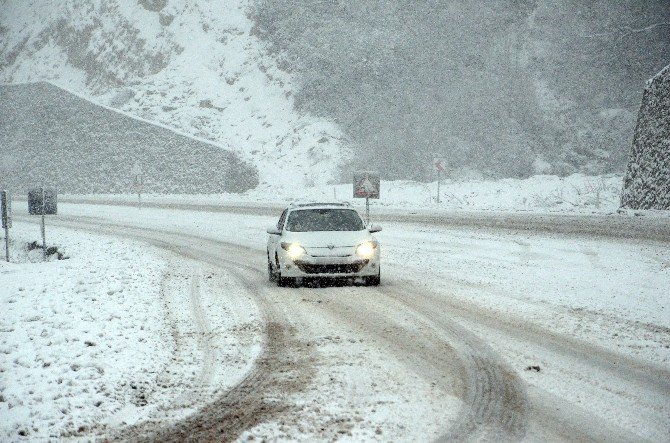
(50, 135)
(194, 67)
(499, 88)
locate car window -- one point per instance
(324, 220)
(282, 217)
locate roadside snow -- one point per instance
(78, 335)
(113, 335)
(539, 193)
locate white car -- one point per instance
(322, 240)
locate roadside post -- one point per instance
(6, 203)
(43, 201)
(440, 165)
(366, 185)
(138, 182)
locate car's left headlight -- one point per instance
(294, 250)
(366, 249)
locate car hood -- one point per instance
(324, 239)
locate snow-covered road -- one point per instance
(442, 348)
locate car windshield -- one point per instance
(324, 220)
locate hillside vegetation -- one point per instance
(498, 88)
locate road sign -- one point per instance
(366, 185)
(6, 203)
(42, 201)
(137, 169)
(138, 185)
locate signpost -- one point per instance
(43, 201)
(366, 185)
(138, 182)
(440, 165)
(6, 203)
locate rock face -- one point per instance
(647, 180)
(50, 135)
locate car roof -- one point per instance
(319, 205)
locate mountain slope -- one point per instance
(50, 135)
(192, 66)
(498, 88)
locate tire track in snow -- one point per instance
(495, 406)
(204, 333)
(284, 366)
(563, 419)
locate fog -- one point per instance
(499, 88)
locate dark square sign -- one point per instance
(39, 198)
(6, 204)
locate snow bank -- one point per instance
(80, 337)
(539, 193)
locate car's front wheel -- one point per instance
(275, 275)
(272, 274)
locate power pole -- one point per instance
(5, 202)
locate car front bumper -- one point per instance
(332, 267)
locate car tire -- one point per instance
(282, 282)
(374, 280)
(272, 275)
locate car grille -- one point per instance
(350, 268)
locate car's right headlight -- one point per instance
(294, 250)
(366, 249)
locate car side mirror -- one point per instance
(374, 228)
(272, 230)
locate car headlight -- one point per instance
(294, 250)
(366, 249)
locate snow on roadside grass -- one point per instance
(80, 337)
(539, 193)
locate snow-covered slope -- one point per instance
(196, 67)
(48, 135)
